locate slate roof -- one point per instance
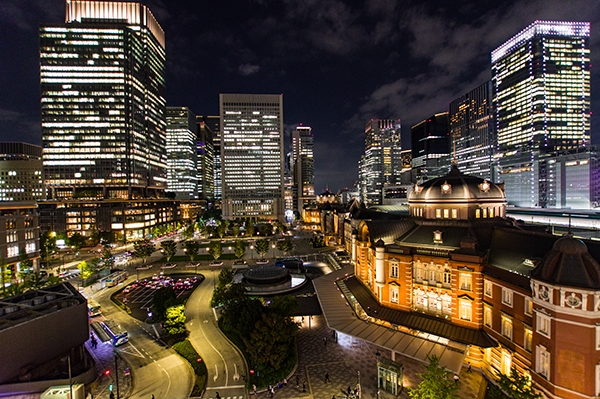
(388, 230)
(417, 321)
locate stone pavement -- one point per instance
(343, 361)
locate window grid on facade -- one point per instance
(465, 281)
(507, 297)
(506, 328)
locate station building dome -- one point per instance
(457, 196)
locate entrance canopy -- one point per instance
(340, 316)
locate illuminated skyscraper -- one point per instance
(471, 130)
(214, 124)
(103, 101)
(252, 156)
(382, 163)
(206, 156)
(303, 167)
(430, 141)
(541, 79)
(182, 153)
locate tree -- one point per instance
(77, 241)
(14, 289)
(215, 249)
(34, 281)
(517, 385)
(240, 248)
(174, 320)
(163, 299)
(191, 248)
(284, 305)
(169, 249)
(86, 271)
(250, 229)
(436, 384)
(95, 265)
(143, 249)
(108, 258)
(47, 244)
(261, 247)
(222, 226)
(271, 339)
(94, 237)
(5, 273)
(188, 232)
(235, 229)
(25, 264)
(266, 230)
(285, 246)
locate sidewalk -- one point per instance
(105, 360)
(344, 360)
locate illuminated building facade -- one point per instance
(124, 219)
(541, 81)
(458, 279)
(430, 141)
(471, 131)
(302, 167)
(19, 232)
(21, 172)
(252, 156)
(206, 162)
(182, 153)
(382, 162)
(103, 101)
(214, 124)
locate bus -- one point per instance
(115, 278)
(94, 308)
(114, 330)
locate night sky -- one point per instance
(337, 63)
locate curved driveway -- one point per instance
(156, 370)
(226, 367)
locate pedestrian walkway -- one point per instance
(348, 362)
(105, 361)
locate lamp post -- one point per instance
(251, 252)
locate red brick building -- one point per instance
(458, 272)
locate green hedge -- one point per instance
(186, 350)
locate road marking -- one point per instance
(216, 373)
(138, 354)
(236, 375)
(226, 387)
(157, 334)
(215, 313)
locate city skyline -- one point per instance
(315, 54)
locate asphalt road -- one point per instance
(156, 369)
(226, 367)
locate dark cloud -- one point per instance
(247, 69)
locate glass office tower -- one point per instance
(303, 167)
(471, 130)
(252, 156)
(103, 101)
(541, 80)
(182, 153)
(430, 141)
(383, 160)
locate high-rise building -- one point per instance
(103, 101)
(214, 124)
(302, 167)
(252, 156)
(541, 80)
(21, 172)
(383, 159)
(430, 140)
(182, 153)
(206, 162)
(471, 131)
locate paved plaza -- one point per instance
(343, 360)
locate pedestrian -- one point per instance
(217, 396)
(325, 341)
(254, 388)
(285, 382)
(455, 377)
(297, 381)
(469, 368)
(303, 386)
(348, 391)
(152, 396)
(112, 395)
(327, 377)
